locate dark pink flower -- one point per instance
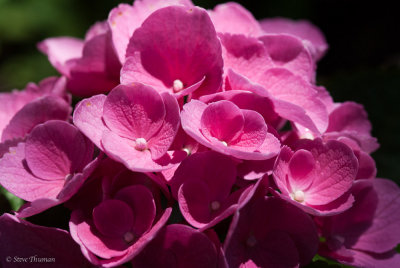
(270, 232)
(49, 167)
(91, 65)
(367, 234)
(121, 216)
(187, 35)
(178, 246)
(34, 243)
(134, 125)
(317, 177)
(202, 185)
(125, 19)
(310, 35)
(225, 128)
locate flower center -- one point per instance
(129, 237)
(224, 143)
(177, 85)
(215, 205)
(307, 134)
(298, 196)
(140, 144)
(187, 150)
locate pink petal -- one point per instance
(161, 142)
(303, 29)
(34, 113)
(300, 165)
(16, 177)
(222, 120)
(177, 59)
(235, 19)
(123, 150)
(113, 218)
(133, 112)
(88, 118)
(141, 203)
(60, 50)
(56, 149)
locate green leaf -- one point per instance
(14, 201)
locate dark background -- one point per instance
(362, 64)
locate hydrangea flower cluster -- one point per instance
(201, 140)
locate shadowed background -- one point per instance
(362, 64)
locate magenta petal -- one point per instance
(235, 19)
(178, 245)
(188, 36)
(194, 202)
(34, 113)
(56, 149)
(60, 50)
(135, 111)
(142, 205)
(222, 120)
(88, 118)
(253, 134)
(17, 179)
(160, 143)
(312, 36)
(113, 218)
(300, 165)
(123, 150)
(26, 239)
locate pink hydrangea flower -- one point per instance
(121, 218)
(22, 110)
(187, 35)
(49, 167)
(367, 234)
(317, 177)
(134, 125)
(91, 65)
(225, 128)
(125, 19)
(205, 196)
(178, 245)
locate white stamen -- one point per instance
(186, 150)
(129, 237)
(177, 85)
(215, 205)
(298, 196)
(224, 143)
(307, 134)
(140, 144)
(251, 241)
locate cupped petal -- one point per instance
(300, 165)
(34, 113)
(113, 218)
(141, 202)
(57, 149)
(60, 50)
(312, 36)
(188, 36)
(235, 19)
(135, 111)
(88, 118)
(289, 52)
(178, 245)
(222, 120)
(123, 150)
(161, 142)
(253, 134)
(16, 177)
